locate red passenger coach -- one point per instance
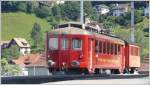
(132, 57)
(73, 47)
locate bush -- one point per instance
(42, 12)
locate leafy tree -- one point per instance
(56, 11)
(31, 7)
(11, 53)
(42, 12)
(71, 9)
(9, 6)
(36, 35)
(8, 69)
(138, 16)
(22, 6)
(90, 11)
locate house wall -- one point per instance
(118, 12)
(37, 71)
(24, 51)
(146, 11)
(104, 11)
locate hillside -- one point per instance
(20, 24)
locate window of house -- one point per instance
(77, 44)
(53, 43)
(64, 43)
(100, 46)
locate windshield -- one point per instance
(53, 43)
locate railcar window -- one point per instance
(104, 45)
(100, 46)
(77, 44)
(115, 49)
(108, 48)
(96, 46)
(64, 43)
(76, 25)
(112, 47)
(53, 43)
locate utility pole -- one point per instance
(81, 12)
(132, 22)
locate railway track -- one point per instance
(45, 79)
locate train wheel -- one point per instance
(85, 71)
(134, 71)
(108, 71)
(96, 71)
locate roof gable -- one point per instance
(21, 42)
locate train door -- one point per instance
(91, 53)
(122, 58)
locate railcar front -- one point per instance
(67, 49)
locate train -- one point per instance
(74, 47)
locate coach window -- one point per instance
(53, 43)
(100, 47)
(104, 45)
(64, 43)
(77, 44)
(115, 49)
(108, 48)
(112, 47)
(96, 46)
(119, 52)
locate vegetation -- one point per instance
(8, 69)
(36, 35)
(11, 53)
(70, 11)
(20, 25)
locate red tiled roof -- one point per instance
(30, 60)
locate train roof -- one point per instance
(79, 30)
(71, 30)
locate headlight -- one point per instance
(75, 63)
(51, 62)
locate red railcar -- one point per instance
(73, 47)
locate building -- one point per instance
(146, 11)
(102, 9)
(32, 64)
(4, 44)
(23, 45)
(119, 9)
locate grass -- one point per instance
(20, 25)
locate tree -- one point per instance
(42, 12)
(8, 69)
(11, 53)
(36, 35)
(30, 7)
(9, 6)
(71, 9)
(22, 6)
(56, 11)
(138, 16)
(89, 11)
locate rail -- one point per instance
(45, 79)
